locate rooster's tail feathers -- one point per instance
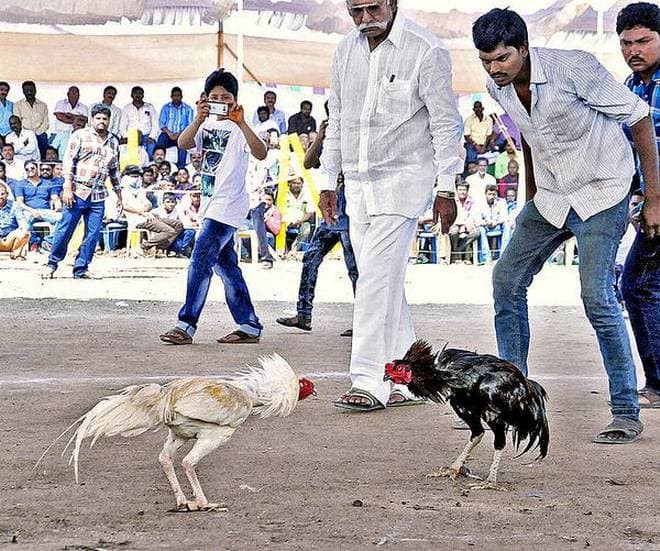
(273, 386)
(533, 422)
(133, 411)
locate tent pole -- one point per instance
(240, 45)
(221, 43)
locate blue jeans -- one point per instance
(92, 214)
(322, 242)
(164, 141)
(183, 241)
(531, 244)
(259, 225)
(490, 243)
(47, 215)
(214, 252)
(640, 286)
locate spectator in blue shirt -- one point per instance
(6, 109)
(175, 117)
(37, 200)
(12, 238)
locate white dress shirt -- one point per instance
(394, 126)
(25, 145)
(63, 106)
(145, 119)
(582, 159)
(115, 119)
(478, 185)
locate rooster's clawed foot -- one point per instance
(444, 472)
(487, 486)
(194, 506)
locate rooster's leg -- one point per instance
(490, 483)
(166, 459)
(207, 441)
(455, 468)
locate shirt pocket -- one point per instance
(394, 98)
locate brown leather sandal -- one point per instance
(176, 336)
(238, 337)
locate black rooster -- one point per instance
(478, 387)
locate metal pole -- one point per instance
(221, 43)
(240, 45)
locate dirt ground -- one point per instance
(320, 479)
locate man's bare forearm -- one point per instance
(530, 181)
(643, 135)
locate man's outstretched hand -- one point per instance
(445, 210)
(328, 206)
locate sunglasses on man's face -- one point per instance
(371, 9)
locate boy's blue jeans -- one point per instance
(598, 240)
(214, 252)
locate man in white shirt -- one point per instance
(480, 180)
(109, 95)
(491, 217)
(569, 110)
(24, 141)
(33, 114)
(14, 170)
(142, 116)
(67, 109)
(393, 130)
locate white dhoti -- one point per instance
(382, 325)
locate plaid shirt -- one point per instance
(650, 93)
(88, 161)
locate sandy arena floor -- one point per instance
(321, 479)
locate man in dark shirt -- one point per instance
(302, 122)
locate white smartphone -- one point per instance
(218, 108)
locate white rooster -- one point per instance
(206, 410)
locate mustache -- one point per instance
(636, 58)
(381, 25)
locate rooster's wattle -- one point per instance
(204, 410)
(479, 387)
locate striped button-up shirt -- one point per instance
(88, 161)
(582, 159)
(394, 125)
(650, 93)
(176, 118)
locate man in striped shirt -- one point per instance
(91, 157)
(579, 164)
(638, 27)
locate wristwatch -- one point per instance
(445, 194)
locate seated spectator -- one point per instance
(169, 214)
(502, 161)
(6, 109)
(114, 226)
(270, 98)
(61, 140)
(159, 155)
(265, 123)
(67, 109)
(197, 181)
(38, 201)
(51, 154)
(195, 165)
(14, 170)
(480, 180)
(273, 218)
(183, 179)
(164, 170)
(302, 122)
(510, 180)
(11, 184)
(491, 218)
(304, 141)
(109, 95)
(464, 231)
(478, 133)
(470, 169)
(13, 239)
(24, 141)
(175, 117)
(33, 114)
(511, 198)
(299, 215)
(188, 210)
(142, 116)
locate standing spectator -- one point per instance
(394, 129)
(33, 114)
(299, 214)
(491, 217)
(61, 140)
(24, 141)
(270, 99)
(67, 109)
(109, 95)
(14, 169)
(579, 166)
(6, 109)
(478, 133)
(464, 231)
(92, 156)
(480, 180)
(175, 117)
(638, 27)
(142, 116)
(12, 238)
(510, 180)
(302, 122)
(226, 142)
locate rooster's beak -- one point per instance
(314, 393)
(387, 377)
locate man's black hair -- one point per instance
(28, 83)
(8, 144)
(491, 187)
(110, 87)
(221, 78)
(165, 163)
(51, 148)
(5, 83)
(479, 159)
(136, 88)
(100, 109)
(3, 165)
(270, 92)
(263, 108)
(176, 89)
(306, 102)
(640, 14)
(499, 26)
(158, 148)
(169, 196)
